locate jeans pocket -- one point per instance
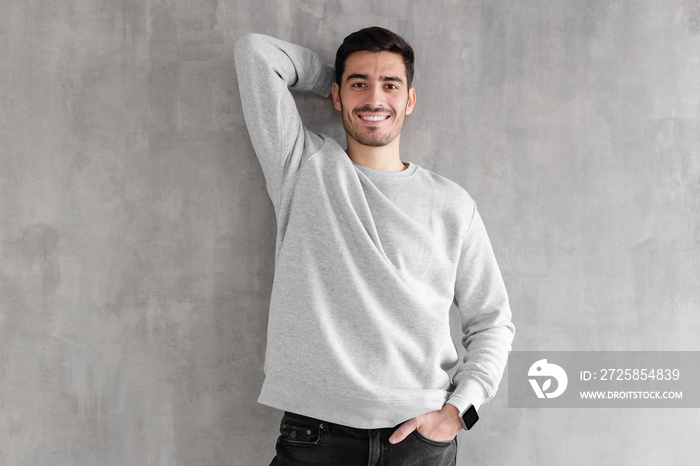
(300, 431)
(437, 443)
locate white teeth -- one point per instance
(373, 118)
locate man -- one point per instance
(371, 253)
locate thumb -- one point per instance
(403, 431)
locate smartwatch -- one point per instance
(469, 417)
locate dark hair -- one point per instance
(374, 39)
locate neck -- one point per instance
(385, 158)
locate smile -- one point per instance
(374, 118)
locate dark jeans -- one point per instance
(307, 441)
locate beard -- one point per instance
(372, 137)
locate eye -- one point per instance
(358, 84)
(392, 86)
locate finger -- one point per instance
(403, 431)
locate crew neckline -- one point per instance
(375, 173)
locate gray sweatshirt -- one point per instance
(367, 265)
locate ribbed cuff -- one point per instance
(325, 79)
(469, 391)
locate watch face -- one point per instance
(470, 417)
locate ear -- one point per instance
(336, 96)
(411, 101)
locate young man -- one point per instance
(371, 253)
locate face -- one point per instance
(374, 97)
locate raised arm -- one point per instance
(267, 69)
(481, 297)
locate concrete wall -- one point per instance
(137, 241)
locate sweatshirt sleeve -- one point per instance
(267, 69)
(481, 298)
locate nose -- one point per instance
(375, 96)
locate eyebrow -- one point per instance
(383, 78)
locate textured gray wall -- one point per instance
(137, 239)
